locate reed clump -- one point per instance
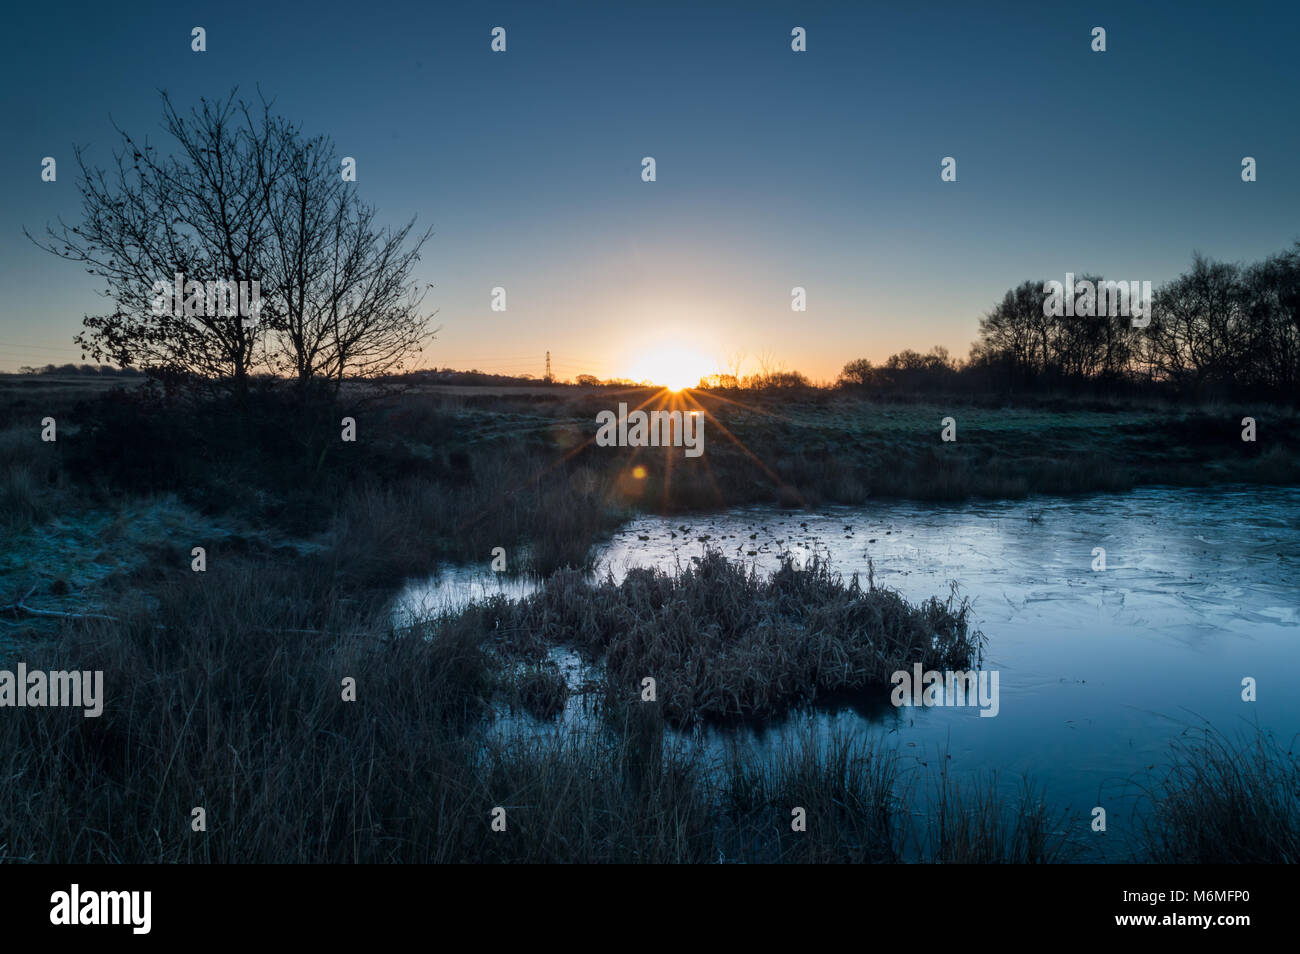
(722, 642)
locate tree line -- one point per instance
(1218, 329)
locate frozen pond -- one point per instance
(1099, 670)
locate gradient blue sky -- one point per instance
(775, 169)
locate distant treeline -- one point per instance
(1219, 329)
(472, 377)
(476, 377)
(105, 370)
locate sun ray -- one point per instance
(687, 399)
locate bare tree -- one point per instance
(857, 372)
(1008, 332)
(342, 300)
(1274, 307)
(202, 213)
(242, 198)
(735, 365)
(1200, 332)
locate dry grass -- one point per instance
(845, 787)
(223, 690)
(1226, 801)
(723, 643)
(974, 824)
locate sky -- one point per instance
(774, 169)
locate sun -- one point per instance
(675, 368)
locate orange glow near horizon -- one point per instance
(675, 368)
